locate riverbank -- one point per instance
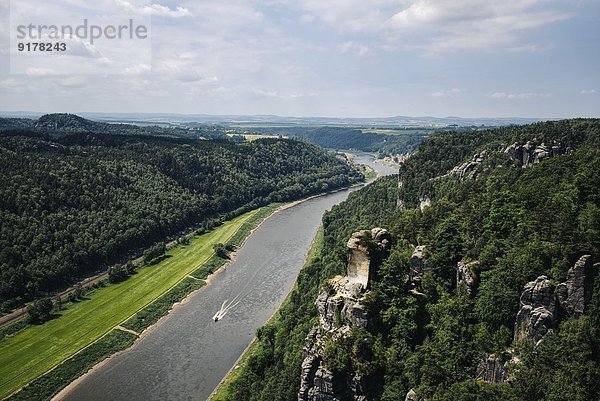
(39, 351)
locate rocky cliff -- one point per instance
(342, 306)
(542, 309)
(532, 152)
(535, 318)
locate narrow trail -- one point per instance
(125, 329)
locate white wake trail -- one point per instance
(227, 306)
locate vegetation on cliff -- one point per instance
(522, 202)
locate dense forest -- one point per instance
(74, 202)
(352, 138)
(516, 205)
(64, 124)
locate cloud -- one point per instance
(264, 93)
(307, 18)
(587, 91)
(524, 95)
(260, 93)
(10, 83)
(72, 82)
(531, 48)
(155, 9)
(39, 72)
(82, 48)
(458, 25)
(184, 68)
(138, 69)
(438, 26)
(354, 48)
(446, 93)
(302, 95)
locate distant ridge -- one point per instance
(394, 121)
(60, 124)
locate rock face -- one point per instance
(412, 396)
(541, 307)
(399, 202)
(492, 369)
(424, 202)
(532, 153)
(316, 381)
(467, 276)
(469, 169)
(418, 265)
(341, 306)
(362, 253)
(536, 316)
(576, 290)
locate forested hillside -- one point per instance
(72, 203)
(352, 138)
(59, 124)
(501, 301)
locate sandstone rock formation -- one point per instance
(542, 309)
(492, 368)
(341, 307)
(424, 202)
(418, 265)
(531, 153)
(469, 169)
(412, 396)
(576, 290)
(399, 202)
(364, 249)
(536, 316)
(467, 276)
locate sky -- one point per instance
(338, 58)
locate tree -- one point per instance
(39, 310)
(221, 251)
(117, 273)
(154, 252)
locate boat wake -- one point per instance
(225, 307)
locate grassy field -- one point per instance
(46, 386)
(37, 349)
(224, 391)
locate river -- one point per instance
(188, 353)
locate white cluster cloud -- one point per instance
(39, 72)
(523, 95)
(155, 9)
(74, 81)
(447, 93)
(354, 48)
(439, 26)
(456, 25)
(587, 91)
